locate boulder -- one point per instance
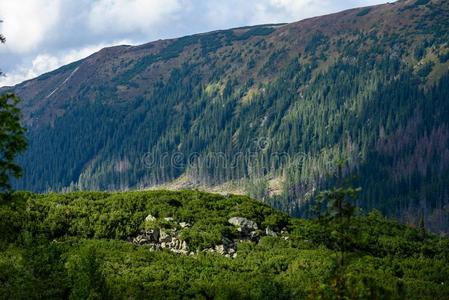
(150, 218)
(254, 236)
(185, 225)
(140, 240)
(227, 242)
(220, 249)
(164, 237)
(270, 232)
(243, 224)
(184, 246)
(153, 235)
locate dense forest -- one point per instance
(271, 109)
(84, 245)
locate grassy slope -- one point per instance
(62, 245)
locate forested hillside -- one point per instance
(271, 108)
(178, 245)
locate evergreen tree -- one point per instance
(12, 138)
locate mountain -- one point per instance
(273, 110)
(180, 245)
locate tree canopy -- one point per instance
(12, 137)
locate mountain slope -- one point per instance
(251, 106)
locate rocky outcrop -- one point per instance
(243, 225)
(247, 229)
(163, 238)
(158, 239)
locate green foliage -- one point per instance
(87, 281)
(420, 51)
(315, 94)
(421, 2)
(12, 140)
(318, 39)
(364, 12)
(255, 31)
(85, 258)
(444, 57)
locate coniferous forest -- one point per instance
(270, 109)
(307, 160)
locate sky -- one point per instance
(43, 35)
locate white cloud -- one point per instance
(46, 62)
(27, 22)
(252, 12)
(45, 34)
(131, 15)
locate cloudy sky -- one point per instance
(45, 34)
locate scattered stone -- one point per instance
(227, 242)
(164, 237)
(140, 240)
(254, 236)
(157, 239)
(185, 225)
(146, 237)
(270, 232)
(153, 234)
(220, 249)
(243, 224)
(150, 218)
(184, 246)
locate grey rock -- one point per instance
(150, 218)
(153, 234)
(243, 224)
(220, 249)
(184, 246)
(227, 242)
(270, 232)
(185, 225)
(254, 236)
(140, 240)
(164, 237)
